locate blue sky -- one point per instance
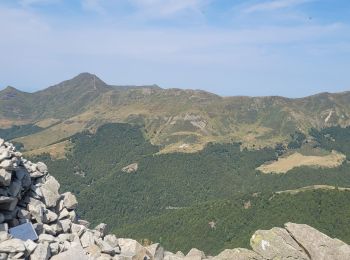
(254, 47)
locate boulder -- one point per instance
(275, 243)
(87, 239)
(238, 254)
(5, 177)
(8, 203)
(65, 224)
(12, 246)
(106, 247)
(15, 188)
(74, 253)
(111, 240)
(41, 167)
(30, 246)
(69, 200)
(47, 238)
(132, 248)
(156, 251)
(195, 254)
(41, 252)
(316, 244)
(50, 192)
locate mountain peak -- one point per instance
(10, 89)
(88, 77)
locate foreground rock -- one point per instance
(39, 223)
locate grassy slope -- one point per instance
(170, 117)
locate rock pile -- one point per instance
(39, 223)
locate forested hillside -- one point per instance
(165, 183)
(222, 224)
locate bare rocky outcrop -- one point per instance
(39, 223)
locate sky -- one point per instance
(290, 48)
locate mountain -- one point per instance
(147, 160)
(174, 119)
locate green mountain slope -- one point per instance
(214, 226)
(174, 119)
(93, 170)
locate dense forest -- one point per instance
(214, 226)
(131, 203)
(19, 131)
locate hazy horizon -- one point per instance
(291, 48)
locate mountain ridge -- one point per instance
(85, 75)
(178, 120)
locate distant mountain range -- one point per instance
(174, 119)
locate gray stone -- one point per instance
(74, 253)
(63, 214)
(238, 254)
(36, 209)
(19, 256)
(3, 256)
(30, 246)
(49, 191)
(5, 177)
(12, 246)
(87, 239)
(24, 214)
(156, 251)
(2, 218)
(133, 248)
(41, 252)
(69, 200)
(24, 232)
(41, 167)
(15, 188)
(51, 230)
(39, 228)
(8, 165)
(65, 237)
(49, 216)
(102, 228)
(111, 240)
(4, 227)
(317, 244)
(8, 203)
(275, 243)
(36, 174)
(65, 224)
(78, 229)
(4, 236)
(46, 238)
(4, 154)
(93, 251)
(105, 247)
(104, 257)
(54, 248)
(195, 254)
(171, 256)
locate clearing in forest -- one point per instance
(285, 164)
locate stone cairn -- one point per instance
(39, 223)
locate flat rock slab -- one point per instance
(24, 232)
(74, 253)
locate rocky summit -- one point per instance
(37, 222)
